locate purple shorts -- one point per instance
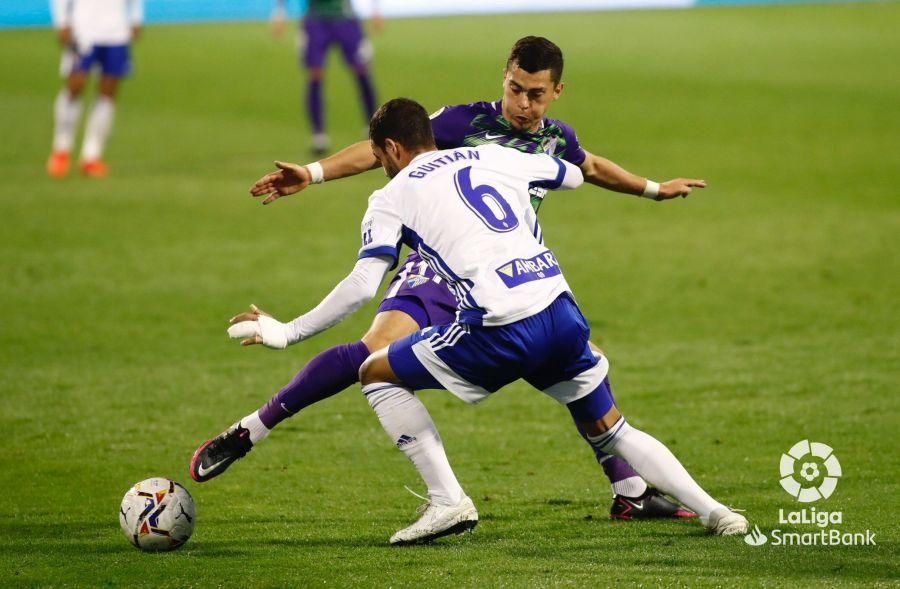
(418, 292)
(346, 32)
(114, 60)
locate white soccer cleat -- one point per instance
(724, 522)
(438, 521)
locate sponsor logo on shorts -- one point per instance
(522, 270)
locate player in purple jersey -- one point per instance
(467, 211)
(327, 23)
(416, 298)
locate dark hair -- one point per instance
(403, 120)
(535, 54)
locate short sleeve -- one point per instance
(573, 152)
(380, 229)
(450, 125)
(545, 171)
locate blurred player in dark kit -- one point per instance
(327, 23)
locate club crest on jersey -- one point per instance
(548, 145)
(522, 270)
(416, 280)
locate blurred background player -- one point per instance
(93, 33)
(326, 23)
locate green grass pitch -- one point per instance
(762, 311)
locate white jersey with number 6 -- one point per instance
(467, 212)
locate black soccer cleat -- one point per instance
(216, 455)
(651, 505)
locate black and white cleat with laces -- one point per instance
(651, 505)
(216, 455)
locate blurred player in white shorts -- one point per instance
(94, 34)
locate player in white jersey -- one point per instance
(94, 33)
(468, 214)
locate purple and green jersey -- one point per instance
(333, 22)
(481, 123)
(415, 289)
(328, 9)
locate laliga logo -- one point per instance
(807, 460)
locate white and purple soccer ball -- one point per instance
(157, 514)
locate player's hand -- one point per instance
(258, 327)
(679, 187)
(135, 32)
(287, 179)
(65, 36)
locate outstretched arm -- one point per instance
(606, 174)
(358, 288)
(291, 178)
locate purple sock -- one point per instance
(367, 93)
(327, 374)
(616, 469)
(314, 104)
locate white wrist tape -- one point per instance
(273, 332)
(316, 173)
(651, 191)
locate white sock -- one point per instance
(650, 457)
(406, 421)
(66, 112)
(258, 430)
(98, 126)
(630, 487)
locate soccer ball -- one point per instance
(157, 514)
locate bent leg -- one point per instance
(606, 430)
(624, 480)
(404, 311)
(327, 374)
(335, 369)
(407, 422)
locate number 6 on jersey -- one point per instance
(485, 202)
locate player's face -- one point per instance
(527, 96)
(389, 164)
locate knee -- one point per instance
(600, 426)
(375, 340)
(366, 372)
(596, 412)
(74, 86)
(314, 74)
(108, 87)
(377, 368)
